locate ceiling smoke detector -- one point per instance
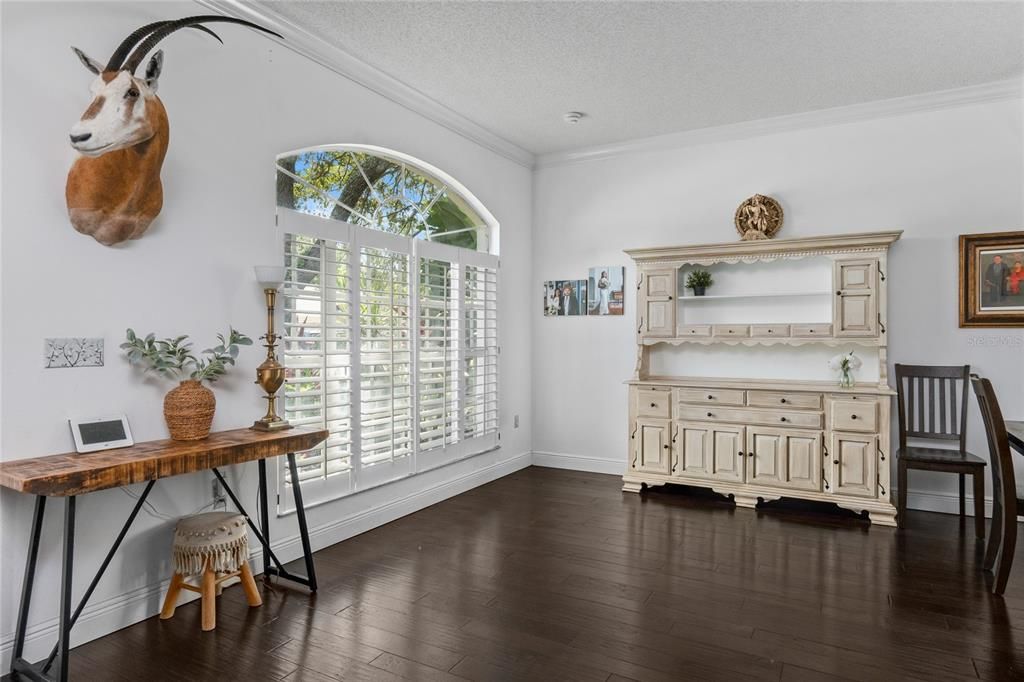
(573, 117)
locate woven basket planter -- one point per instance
(189, 410)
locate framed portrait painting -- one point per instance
(992, 279)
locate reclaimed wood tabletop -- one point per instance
(73, 473)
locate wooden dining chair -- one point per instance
(929, 409)
(1002, 539)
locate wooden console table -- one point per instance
(72, 474)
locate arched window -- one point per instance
(384, 190)
(389, 316)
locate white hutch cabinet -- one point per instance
(764, 438)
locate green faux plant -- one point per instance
(699, 279)
(174, 359)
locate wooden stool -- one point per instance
(214, 546)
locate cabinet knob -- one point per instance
(853, 416)
(711, 397)
(839, 293)
(740, 453)
(710, 415)
(782, 419)
(654, 404)
(835, 461)
(782, 400)
(665, 446)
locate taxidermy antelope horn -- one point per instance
(113, 191)
(132, 63)
(117, 59)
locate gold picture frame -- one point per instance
(992, 279)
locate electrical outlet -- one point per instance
(515, 422)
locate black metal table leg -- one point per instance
(26, 585)
(276, 568)
(264, 516)
(103, 568)
(67, 571)
(300, 512)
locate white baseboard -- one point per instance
(562, 460)
(945, 503)
(109, 615)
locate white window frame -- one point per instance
(322, 490)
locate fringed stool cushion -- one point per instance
(220, 538)
(214, 545)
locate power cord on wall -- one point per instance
(155, 513)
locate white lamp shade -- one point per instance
(270, 276)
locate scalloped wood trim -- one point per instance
(765, 341)
(880, 511)
(827, 387)
(771, 249)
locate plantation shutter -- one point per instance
(391, 345)
(480, 349)
(316, 350)
(385, 357)
(437, 362)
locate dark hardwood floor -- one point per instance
(557, 575)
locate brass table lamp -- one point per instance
(270, 374)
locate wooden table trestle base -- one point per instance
(71, 474)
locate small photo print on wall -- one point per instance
(565, 297)
(76, 352)
(606, 288)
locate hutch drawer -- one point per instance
(727, 330)
(811, 420)
(695, 330)
(854, 415)
(653, 402)
(812, 330)
(769, 330)
(809, 401)
(711, 396)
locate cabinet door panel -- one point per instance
(659, 319)
(652, 450)
(766, 454)
(803, 460)
(660, 283)
(727, 444)
(855, 312)
(693, 456)
(854, 462)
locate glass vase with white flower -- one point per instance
(845, 363)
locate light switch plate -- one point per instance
(73, 352)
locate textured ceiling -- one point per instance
(647, 68)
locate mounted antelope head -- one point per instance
(113, 191)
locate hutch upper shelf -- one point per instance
(791, 291)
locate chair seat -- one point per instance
(940, 456)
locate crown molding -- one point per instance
(929, 101)
(343, 63)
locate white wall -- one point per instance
(232, 108)
(934, 175)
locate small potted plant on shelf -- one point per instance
(699, 280)
(189, 408)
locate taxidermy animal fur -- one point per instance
(113, 190)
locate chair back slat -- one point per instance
(929, 407)
(942, 409)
